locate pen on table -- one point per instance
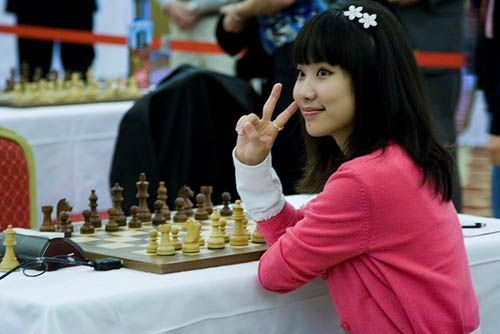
(475, 225)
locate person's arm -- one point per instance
(335, 227)
(235, 16)
(259, 188)
(180, 12)
(204, 7)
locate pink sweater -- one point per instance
(391, 252)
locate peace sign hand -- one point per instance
(256, 135)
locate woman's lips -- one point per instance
(310, 112)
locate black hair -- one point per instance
(390, 102)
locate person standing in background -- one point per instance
(74, 14)
(279, 22)
(195, 20)
(488, 72)
(437, 26)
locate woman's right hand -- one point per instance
(256, 135)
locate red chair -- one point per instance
(17, 182)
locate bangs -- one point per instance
(330, 37)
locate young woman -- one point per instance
(382, 231)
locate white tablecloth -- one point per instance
(221, 300)
(483, 251)
(73, 147)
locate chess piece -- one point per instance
(37, 76)
(53, 75)
(63, 205)
(92, 90)
(162, 196)
(191, 241)
(118, 87)
(9, 260)
(222, 227)
(200, 213)
(74, 92)
(186, 193)
(29, 94)
(18, 93)
(64, 225)
(47, 224)
(117, 198)
(108, 90)
(158, 218)
(180, 216)
(67, 75)
(95, 220)
(25, 71)
(239, 236)
(207, 191)
(87, 227)
(153, 244)
(142, 194)
(257, 238)
(112, 225)
(216, 239)
(11, 81)
(132, 88)
(134, 221)
(226, 210)
(175, 238)
(59, 89)
(245, 225)
(166, 247)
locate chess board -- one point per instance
(7, 100)
(130, 246)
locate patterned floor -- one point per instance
(475, 176)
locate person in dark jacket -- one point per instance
(74, 14)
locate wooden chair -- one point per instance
(17, 182)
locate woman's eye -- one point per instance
(322, 72)
(300, 74)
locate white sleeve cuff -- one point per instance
(259, 188)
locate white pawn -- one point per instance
(165, 247)
(175, 238)
(153, 244)
(216, 240)
(222, 226)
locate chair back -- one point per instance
(17, 182)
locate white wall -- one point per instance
(111, 61)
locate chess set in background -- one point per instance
(205, 236)
(71, 89)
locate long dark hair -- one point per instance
(390, 103)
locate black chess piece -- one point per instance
(226, 210)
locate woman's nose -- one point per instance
(305, 91)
